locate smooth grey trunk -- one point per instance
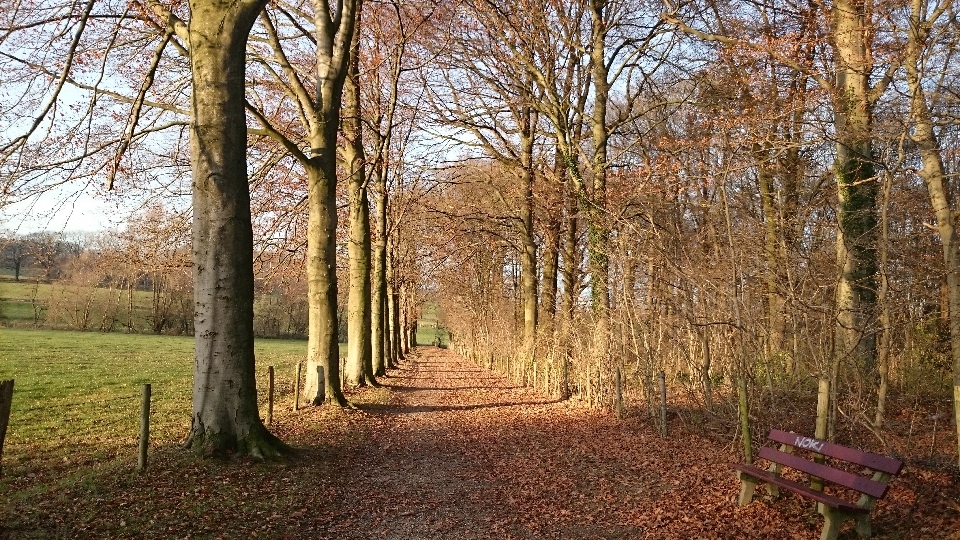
(225, 415)
(334, 37)
(571, 259)
(404, 325)
(528, 256)
(771, 250)
(378, 308)
(322, 379)
(596, 202)
(359, 366)
(548, 282)
(393, 308)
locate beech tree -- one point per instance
(929, 47)
(225, 414)
(314, 95)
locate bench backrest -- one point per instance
(875, 462)
(853, 481)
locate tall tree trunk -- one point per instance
(334, 36)
(771, 250)
(359, 367)
(571, 259)
(378, 308)
(549, 286)
(322, 381)
(404, 325)
(856, 294)
(225, 415)
(528, 257)
(393, 306)
(933, 174)
(599, 233)
(886, 329)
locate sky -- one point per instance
(61, 212)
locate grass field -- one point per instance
(58, 303)
(77, 394)
(427, 330)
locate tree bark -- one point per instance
(775, 322)
(528, 256)
(393, 307)
(856, 295)
(359, 367)
(548, 282)
(225, 415)
(594, 206)
(934, 176)
(322, 380)
(334, 36)
(378, 308)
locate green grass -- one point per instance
(77, 394)
(61, 303)
(427, 331)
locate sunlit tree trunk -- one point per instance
(334, 36)
(595, 206)
(322, 382)
(548, 283)
(528, 255)
(771, 250)
(359, 366)
(378, 312)
(225, 415)
(934, 175)
(856, 293)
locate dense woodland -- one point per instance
(590, 191)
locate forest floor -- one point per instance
(447, 450)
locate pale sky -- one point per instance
(57, 212)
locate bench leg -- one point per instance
(773, 490)
(863, 526)
(831, 524)
(748, 485)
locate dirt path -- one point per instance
(461, 453)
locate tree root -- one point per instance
(259, 444)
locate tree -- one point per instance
(923, 52)
(855, 79)
(318, 116)
(225, 416)
(359, 366)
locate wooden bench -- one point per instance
(835, 510)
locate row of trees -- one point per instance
(40, 254)
(722, 190)
(118, 86)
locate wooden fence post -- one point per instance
(296, 389)
(269, 395)
(6, 401)
(618, 393)
(745, 421)
(144, 427)
(663, 402)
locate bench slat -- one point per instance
(819, 496)
(837, 476)
(852, 455)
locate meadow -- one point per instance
(77, 395)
